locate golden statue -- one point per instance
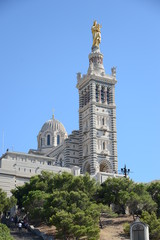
(96, 33)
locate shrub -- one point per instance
(126, 228)
(5, 233)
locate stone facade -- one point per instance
(92, 148)
(97, 117)
(17, 168)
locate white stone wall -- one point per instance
(18, 168)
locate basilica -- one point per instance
(92, 148)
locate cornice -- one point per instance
(87, 78)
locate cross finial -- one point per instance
(53, 113)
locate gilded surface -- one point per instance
(96, 33)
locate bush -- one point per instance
(154, 224)
(126, 228)
(5, 233)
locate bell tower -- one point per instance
(97, 113)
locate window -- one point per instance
(41, 142)
(103, 145)
(82, 100)
(87, 149)
(48, 140)
(60, 161)
(58, 139)
(49, 162)
(96, 93)
(102, 121)
(102, 94)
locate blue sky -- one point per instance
(44, 43)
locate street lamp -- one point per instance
(125, 171)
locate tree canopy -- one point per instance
(63, 200)
(74, 204)
(5, 202)
(154, 190)
(123, 192)
(5, 233)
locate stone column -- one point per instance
(81, 99)
(93, 92)
(113, 94)
(105, 95)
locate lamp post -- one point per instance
(125, 171)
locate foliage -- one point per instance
(75, 225)
(123, 192)
(65, 201)
(154, 224)
(34, 203)
(73, 214)
(74, 204)
(49, 182)
(126, 228)
(106, 211)
(5, 233)
(5, 202)
(154, 190)
(114, 191)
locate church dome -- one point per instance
(52, 134)
(53, 125)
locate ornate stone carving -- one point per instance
(113, 70)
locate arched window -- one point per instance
(96, 93)
(102, 94)
(104, 167)
(48, 140)
(103, 145)
(60, 162)
(87, 168)
(58, 139)
(103, 121)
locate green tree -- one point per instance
(115, 191)
(6, 203)
(139, 202)
(5, 233)
(3, 201)
(34, 203)
(154, 190)
(76, 225)
(49, 182)
(154, 224)
(39, 182)
(63, 200)
(73, 214)
(124, 192)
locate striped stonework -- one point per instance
(97, 118)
